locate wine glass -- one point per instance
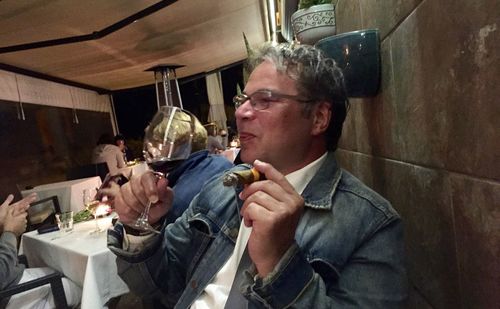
(167, 142)
(91, 204)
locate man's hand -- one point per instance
(19, 207)
(22, 206)
(273, 208)
(4, 208)
(15, 222)
(130, 199)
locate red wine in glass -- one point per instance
(167, 142)
(165, 166)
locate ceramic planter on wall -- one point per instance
(314, 23)
(357, 53)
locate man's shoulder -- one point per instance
(212, 164)
(365, 197)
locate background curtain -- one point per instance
(26, 89)
(217, 113)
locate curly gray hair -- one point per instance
(317, 78)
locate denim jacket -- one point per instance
(348, 251)
(188, 178)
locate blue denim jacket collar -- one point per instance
(318, 193)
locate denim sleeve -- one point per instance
(372, 278)
(156, 271)
(132, 267)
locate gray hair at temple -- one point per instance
(317, 78)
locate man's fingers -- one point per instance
(127, 214)
(262, 199)
(276, 185)
(149, 182)
(129, 199)
(254, 212)
(8, 200)
(24, 204)
(113, 190)
(273, 174)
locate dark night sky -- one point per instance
(135, 107)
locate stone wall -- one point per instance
(430, 140)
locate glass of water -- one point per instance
(65, 221)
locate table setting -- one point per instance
(81, 254)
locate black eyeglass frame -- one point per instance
(272, 97)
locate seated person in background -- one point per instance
(222, 138)
(309, 235)
(121, 143)
(214, 146)
(12, 225)
(107, 151)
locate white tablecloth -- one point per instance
(80, 256)
(70, 193)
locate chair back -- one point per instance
(43, 212)
(56, 285)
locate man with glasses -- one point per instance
(307, 235)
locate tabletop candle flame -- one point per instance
(102, 209)
(98, 209)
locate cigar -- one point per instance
(240, 178)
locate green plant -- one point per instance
(304, 4)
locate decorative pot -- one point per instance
(357, 53)
(314, 23)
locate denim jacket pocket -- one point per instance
(204, 231)
(324, 269)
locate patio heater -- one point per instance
(164, 73)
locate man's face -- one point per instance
(121, 144)
(279, 134)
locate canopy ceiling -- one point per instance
(203, 35)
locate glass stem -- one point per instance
(96, 224)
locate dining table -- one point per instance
(69, 193)
(80, 255)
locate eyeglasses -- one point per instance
(261, 99)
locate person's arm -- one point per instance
(10, 269)
(158, 268)
(372, 277)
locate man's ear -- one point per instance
(322, 114)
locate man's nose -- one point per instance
(245, 110)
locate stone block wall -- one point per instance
(430, 140)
